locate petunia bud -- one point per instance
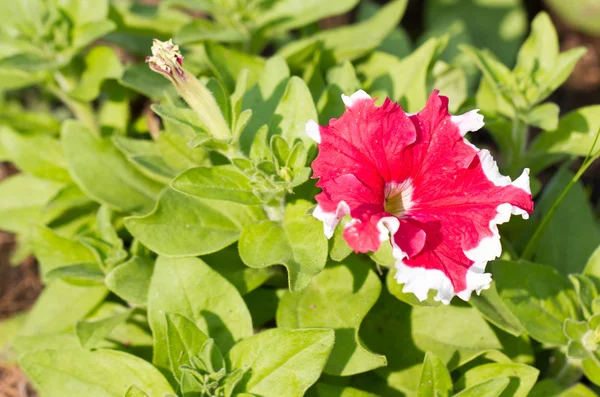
(168, 61)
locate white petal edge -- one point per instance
(420, 280)
(313, 131)
(359, 95)
(468, 122)
(331, 219)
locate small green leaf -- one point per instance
(25, 151)
(91, 333)
(140, 78)
(183, 225)
(494, 310)
(53, 251)
(189, 287)
(297, 242)
(263, 99)
(294, 110)
(490, 388)
(177, 154)
(435, 379)
(287, 14)
(74, 372)
(227, 65)
(324, 303)
(22, 198)
(78, 274)
(522, 377)
(544, 116)
(103, 173)
(538, 296)
(60, 306)
(184, 341)
(223, 182)
(133, 391)
(574, 135)
(275, 354)
(466, 333)
(325, 390)
(131, 280)
(102, 63)
(353, 41)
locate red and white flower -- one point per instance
(416, 179)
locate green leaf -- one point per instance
(498, 25)
(91, 333)
(574, 135)
(78, 274)
(435, 379)
(593, 264)
(141, 79)
(131, 280)
(490, 388)
(274, 356)
(183, 225)
(404, 80)
(540, 50)
(201, 30)
(294, 110)
(538, 296)
(103, 173)
(189, 287)
(466, 333)
(572, 234)
(227, 64)
(550, 388)
(60, 306)
(9, 329)
(102, 63)
(229, 265)
(22, 198)
(133, 391)
(544, 116)
(338, 247)
(177, 154)
(102, 373)
(297, 243)
(263, 98)
(25, 150)
(325, 302)
(53, 251)
(497, 75)
(325, 390)
(287, 14)
(353, 41)
(184, 341)
(223, 182)
(522, 377)
(87, 33)
(495, 311)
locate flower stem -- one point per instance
(533, 242)
(82, 111)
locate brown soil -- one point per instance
(19, 288)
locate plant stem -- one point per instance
(533, 242)
(83, 111)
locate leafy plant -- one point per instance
(169, 204)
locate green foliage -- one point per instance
(171, 218)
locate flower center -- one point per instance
(398, 197)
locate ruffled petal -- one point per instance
(459, 197)
(446, 197)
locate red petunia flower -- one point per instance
(416, 179)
